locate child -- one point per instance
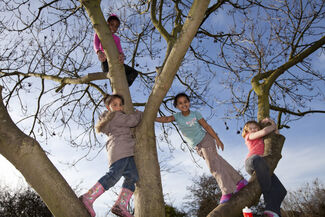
(120, 147)
(113, 23)
(272, 189)
(190, 123)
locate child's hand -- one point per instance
(273, 124)
(266, 120)
(121, 58)
(101, 56)
(219, 144)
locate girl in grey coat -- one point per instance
(120, 148)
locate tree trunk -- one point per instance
(250, 194)
(116, 69)
(263, 106)
(26, 154)
(149, 197)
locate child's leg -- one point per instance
(257, 163)
(131, 177)
(226, 176)
(130, 73)
(104, 66)
(114, 173)
(272, 189)
(89, 197)
(275, 196)
(107, 181)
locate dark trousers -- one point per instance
(272, 189)
(130, 72)
(123, 167)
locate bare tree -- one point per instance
(47, 54)
(44, 63)
(272, 73)
(22, 203)
(308, 200)
(204, 193)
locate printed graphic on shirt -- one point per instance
(190, 127)
(191, 122)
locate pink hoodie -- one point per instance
(98, 46)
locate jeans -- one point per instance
(123, 167)
(130, 72)
(272, 189)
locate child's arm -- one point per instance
(128, 120)
(101, 55)
(96, 43)
(103, 120)
(265, 131)
(121, 58)
(165, 119)
(211, 131)
(268, 120)
(118, 44)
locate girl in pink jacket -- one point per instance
(113, 24)
(120, 148)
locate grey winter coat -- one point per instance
(117, 126)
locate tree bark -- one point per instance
(148, 196)
(149, 201)
(116, 69)
(251, 193)
(263, 107)
(26, 154)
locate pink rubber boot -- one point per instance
(242, 183)
(120, 206)
(89, 197)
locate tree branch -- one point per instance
(63, 80)
(298, 113)
(295, 60)
(157, 23)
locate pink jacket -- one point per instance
(98, 46)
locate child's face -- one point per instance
(116, 105)
(252, 128)
(183, 104)
(113, 25)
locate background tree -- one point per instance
(172, 211)
(272, 73)
(308, 200)
(66, 70)
(203, 196)
(22, 203)
(204, 193)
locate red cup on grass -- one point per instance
(247, 212)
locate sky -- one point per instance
(303, 156)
